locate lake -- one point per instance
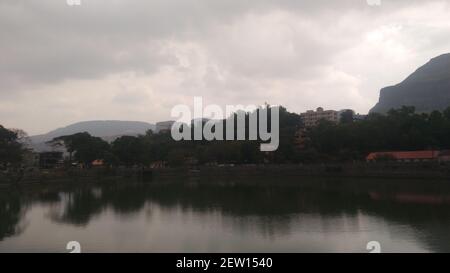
(228, 215)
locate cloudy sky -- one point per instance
(136, 59)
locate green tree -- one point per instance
(128, 150)
(83, 147)
(11, 150)
(399, 130)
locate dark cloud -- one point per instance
(298, 53)
(47, 40)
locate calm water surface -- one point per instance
(270, 215)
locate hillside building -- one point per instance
(311, 118)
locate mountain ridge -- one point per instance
(106, 129)
(427, 89)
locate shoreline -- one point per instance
(419, 171)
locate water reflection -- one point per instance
(12, 210)
(273, 211)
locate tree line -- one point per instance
(399, 130)
(11, 147)
(153, 147)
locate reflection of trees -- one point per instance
(430, 222)
(242, 201)
(79, 207)
(126, 200)
(12, 211)
(49, 197)
(271, 208)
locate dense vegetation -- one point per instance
(399, 130)
(83, 147)
(151, 147)
(11, 149)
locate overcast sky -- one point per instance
(136, 59)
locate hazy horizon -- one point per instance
(135, 60)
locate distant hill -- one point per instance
(106, 129)
(428, 89)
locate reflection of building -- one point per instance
(164, 126)
(411, 198)
(311, 118)
(49, 160)
(444, 156)
(410, 156)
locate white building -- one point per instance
(311, 118)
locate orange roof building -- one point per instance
(409, 156)
(98, 162)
